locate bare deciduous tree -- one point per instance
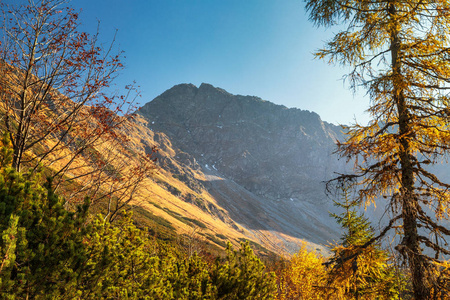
(54, 87)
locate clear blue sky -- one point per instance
(249, 47)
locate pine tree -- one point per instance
(48, 252)
(123, 263)
(359, 269)
(42, 243)
(398, 51)
(242, 276)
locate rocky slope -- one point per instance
(263, 164)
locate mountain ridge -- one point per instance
(221, 123)
(279, 156)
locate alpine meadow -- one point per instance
(205, 194)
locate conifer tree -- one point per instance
(42, 247)
(357, 270)
(242, 276)
(398, 51)
(125, 263)
(304, 277)
(47, 252)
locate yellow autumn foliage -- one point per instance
(399, 52)
(303, 278)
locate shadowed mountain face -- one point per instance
(266, 163)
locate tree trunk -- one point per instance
(410, 245)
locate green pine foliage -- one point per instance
(243, 276)
(48, 252)
(8, 253)
(360, 269)
(128, 264)
(357, 230)
(41, 242)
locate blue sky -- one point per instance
(253, 47)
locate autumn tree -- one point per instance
(303, 277)
(58, 105)
(398, 51)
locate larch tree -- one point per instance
(58, 105)
(304, 277)
(399, 51)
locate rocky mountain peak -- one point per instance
(265, 164)
(269, 149)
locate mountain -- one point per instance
(263, 164)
